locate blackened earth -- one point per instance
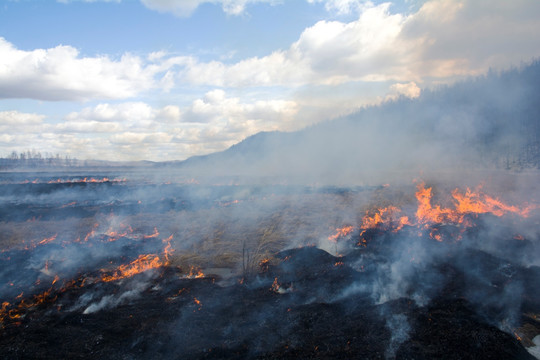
(305, 304)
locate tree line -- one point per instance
(35, 159)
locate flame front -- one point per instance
(427, 215)
(340, 232)
(141, 264)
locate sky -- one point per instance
(168, 79)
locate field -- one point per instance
(130, 264)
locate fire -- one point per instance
(91, 233)
(466, 204)
(141, 264)
(48, 240)
(168, 250)
(479, 203)
(198, 303)
(340, 232)
(153, 235)
(386, 217)
(195, 273)
(275, 286)
(426, 213)
(229, 203)
(73, 203)
(84, 180)
(264, 265)
(115, 235)
(15, 312)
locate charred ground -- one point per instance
(133, 286)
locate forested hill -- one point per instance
(491, 121)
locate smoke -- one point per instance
(94, 302)
(231, 211)
(399, 328)
(484, 123)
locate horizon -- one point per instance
(164, 81)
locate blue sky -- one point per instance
(168, 79)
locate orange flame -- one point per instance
(141, 264)
(465, 204)
(340, 232)
(115, 235)
(48, 240)
(168, 250)
(195, 273)
(91, 233)
(153, 235)
(83, 180)
(385, 217)
(275, 286)
(198, 303)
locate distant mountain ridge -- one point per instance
(491, 121)
(486, 122)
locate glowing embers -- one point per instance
(17, 310)
(278, 288)
(86, 180)
(72, 180)
(194, 273)
(44, 282)
(48, 240)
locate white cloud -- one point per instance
(136, 130)
(328, 67)
(125, 112)
(410, 90)
(443, 39)
(88, 1)
(328, 52)
(467, 37)
(342, 6)
(184, 8)
(15, 118)
(216, 106)
(59, 73)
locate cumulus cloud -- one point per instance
(15, 118)
(21, 131)
(137, 130)
(443, 39)
(328, 66)
(327, 52)
(215, 106)
(342, 6)
(467, 37)
(88, 1)
(410, 90)
(60, 73)
(184, 8)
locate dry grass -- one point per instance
(223, 237)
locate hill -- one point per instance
(487, 122)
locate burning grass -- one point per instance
(384, 241)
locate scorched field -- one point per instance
(131, 265)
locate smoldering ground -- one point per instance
(285, 227)
(303, 290)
